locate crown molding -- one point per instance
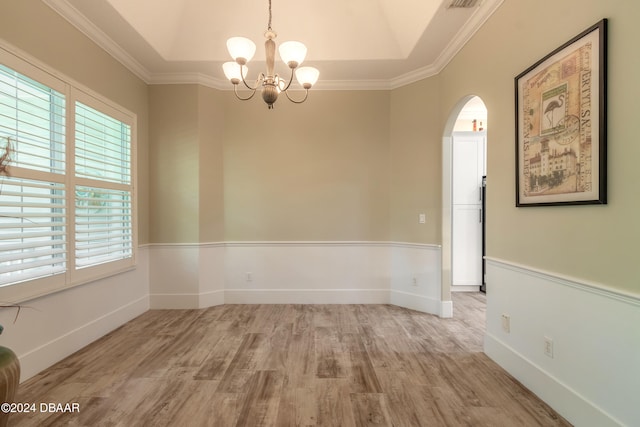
(460, 40)
(414, 76)
(99, 37)
(79, 21)
(189, 78)
(220, 84)
(455, 45)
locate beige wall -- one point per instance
(211, 118)
(174, 164)
(186, 171)
(222, 169)
(37, 30)
(593, 243)
(416, 162)
(315, 171)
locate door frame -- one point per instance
(447, 195)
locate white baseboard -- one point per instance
(415, 302)
(580, 411)
(465, 288)
(306, 296)
(57, 349)
(446, 309)
(186, 301)
(174, 301)
(211, 298)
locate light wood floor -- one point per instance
(289, 365)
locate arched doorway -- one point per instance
(463, 168)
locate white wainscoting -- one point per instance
(54, 326)
(307, 272)
(186, 276)
(416, 278)
(593, 378)
(192, 275)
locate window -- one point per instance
(103, 203)
(67, 208)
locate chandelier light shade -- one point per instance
(307, 76)
(292, 53)
(233, 72)
(241, 49)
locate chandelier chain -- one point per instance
(269, 26)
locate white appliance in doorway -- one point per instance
(469, 166)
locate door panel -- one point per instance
(466, 265)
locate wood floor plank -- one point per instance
(260, 407)
(410, 404)
(361, 373)
(333, 401)
(302, 320)
(279, 342)
(205, 407)
(370, 409)
(331, 360)
(220, 357)
(288, 365)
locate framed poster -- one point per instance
(561, 132)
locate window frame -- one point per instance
(73, 92)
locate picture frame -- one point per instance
(561, 124)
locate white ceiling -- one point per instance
(356, 44)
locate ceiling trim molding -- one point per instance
(80, 22)
(99, 37)
(222, 84)
(352, 85)
(188, 78)
(415, 76)
(460, 40)
(455, 45)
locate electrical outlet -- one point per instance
(548, 347)
(506, 323)
(422, 218)
(249, 276)
(415, 281)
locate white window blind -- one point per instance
(67, 206)
(32, 212)
(32, 119)
(103, 146)
(103, 209)
(32, 230)
(103, 226)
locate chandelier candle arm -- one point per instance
(286, 87)
(235, 90)
(257, 84)
(306, 94)
(292, 53)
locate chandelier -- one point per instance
(292, 53)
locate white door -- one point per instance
(468, 169)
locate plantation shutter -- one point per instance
(32, 200)
(103, 210)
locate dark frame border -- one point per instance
(601, 148)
